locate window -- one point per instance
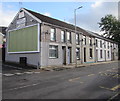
(96, 43)
(62, 36)
(53, 51)
(52, 35)
(111, 45)
(104, 44)
(108, 45)
(101, 55)
(90, 41)
(108, 54)
(91, 53)
(100, 43)
(84, 40)
(78, 53)
(68, 37)
(77, 39)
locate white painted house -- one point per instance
(106, 50)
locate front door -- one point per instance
(84, 54)
(105, 55)
(69, 55)
(96, 55)
(64, 55)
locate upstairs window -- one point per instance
(104, 44)
(52, 35)
(108, 45)
(100, 43)
(90, 41)
(62, 36)
(77, 39)
(69, 37)
(84, 40)
(96, 43)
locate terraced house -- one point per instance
(38, 40)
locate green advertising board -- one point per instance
(23, 40)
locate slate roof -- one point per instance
(100, 37)
(53, 21)
(56, 22)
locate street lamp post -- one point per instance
(75, 29)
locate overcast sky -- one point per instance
(87, 17)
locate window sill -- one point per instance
(52, 57)
(63, 42)
(52, 40)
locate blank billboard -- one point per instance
(23, 40)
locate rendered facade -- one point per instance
(44, 41)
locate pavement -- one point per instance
(9, 70)
(95, 81)
(63, 67)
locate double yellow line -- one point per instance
(113, 89)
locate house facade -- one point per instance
(42, 41)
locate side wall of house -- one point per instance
(32, 58)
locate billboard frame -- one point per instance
(38, 41)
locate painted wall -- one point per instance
(45, 42)
(104, 50)
(43, 57)
(88, 47)
(32, 58)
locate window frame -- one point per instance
(108, 45)
(84, 40)
(68, 37)
(54, 33)
(90, 41)
(53, 48)
(63, 36)
(78, 53)
(100, 43)
(104, 44)
(96, 41)
(77, 38)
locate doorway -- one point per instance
(63, 55)
(84, 54)
(69, 55)
(96, 55)
(105, 55)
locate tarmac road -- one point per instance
(90, 82)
